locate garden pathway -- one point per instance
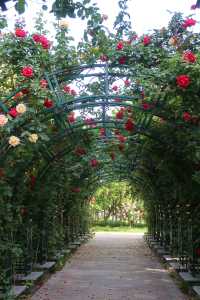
(112, 266)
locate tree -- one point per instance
(71, 8)
(116, 201)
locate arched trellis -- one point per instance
(97, 102)
(102, 75)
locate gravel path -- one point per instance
(112, 266)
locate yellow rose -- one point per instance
(14, 141)
(21, 108)
(33, 138)
(63, 24)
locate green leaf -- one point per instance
(86, 2)
(20, 6)
(3, 22)
(44, 7)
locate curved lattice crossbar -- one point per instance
(97, 90)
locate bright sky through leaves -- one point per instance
(145, 15)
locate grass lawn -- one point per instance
(107, 228)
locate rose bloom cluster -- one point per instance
(42, 40)
(15, 141)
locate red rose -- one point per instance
(44, 42)
(129, 109)
(76, 190)
(146, 106)
(119, 115)
(133, 38)
(122, 60)
(189, 23)
(112, 155)
(104, 57)
(71, 117)
(18, 95)
(121, 147)
(120, 46)
(25, 91)
(195, 120)
(80, 151)
(73, 93)
(36, 38)
(129, 125)
(2, 174)
(23, 211)
(102, 132)
(90, 122)
(189, 57)
(121, 138)
(142, 94)
(67, 89)
(48, 103)
(94, 163)
(198, 251)
(183, 81)
(27, 72)
(115, 88)
(127, 82)
(32, 181)
(187, 116)
(43, 83)
(118, 100)
(116, 131)
(13, 112)
(146, 40)
(20, 33)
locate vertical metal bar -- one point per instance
(105, 100)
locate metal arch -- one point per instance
(104, 100)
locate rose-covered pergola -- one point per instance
(117, 107)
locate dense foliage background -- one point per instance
(52, 158)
